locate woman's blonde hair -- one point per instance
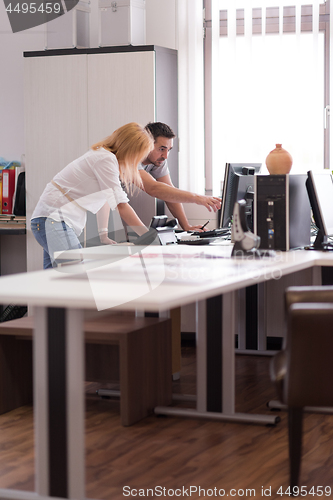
(131, 144)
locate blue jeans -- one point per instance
(53, 236)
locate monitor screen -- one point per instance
(320, 191)
(238, 185)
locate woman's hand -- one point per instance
(105, 240)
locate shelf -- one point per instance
(12, 224)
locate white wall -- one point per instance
(160, 30)
(161, 23)
(12, 47)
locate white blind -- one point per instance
(269, 17)
(241, 23)
(191, 95)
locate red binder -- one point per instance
(8, 189)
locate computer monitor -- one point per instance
(320, 191)
(238, 185)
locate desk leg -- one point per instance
(201, 355)
(252, 338)
(241, 314)
(59, 402)
(216, 354)
(229, 322)
(317, 276)
(216, 327)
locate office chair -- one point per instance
(303, 370)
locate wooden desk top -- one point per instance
(158, 278)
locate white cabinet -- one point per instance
(76, 97)
(55, 127)
(121, 88)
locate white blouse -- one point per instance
(91, 180)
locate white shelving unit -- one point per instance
(75, 97)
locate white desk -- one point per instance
(157, 279)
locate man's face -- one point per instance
(159, 154)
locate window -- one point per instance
(270, 85)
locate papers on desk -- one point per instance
(136, 275)
(116, 278)
(139, 268)
(166, 265)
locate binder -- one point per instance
(8, 189)
(0, 190)
(19, 196)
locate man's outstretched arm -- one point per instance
(164, 190)
(177, 209)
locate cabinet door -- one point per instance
(121, 89)
(55, 125)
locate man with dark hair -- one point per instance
(157, 182)
(159, 129)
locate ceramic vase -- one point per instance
(279, 161)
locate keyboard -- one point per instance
(196, 241)
(214, 233)
(201, 237)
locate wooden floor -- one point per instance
(175, 453)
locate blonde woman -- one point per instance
(91, 183)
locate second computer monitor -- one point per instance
(238, 185)
(320, 191)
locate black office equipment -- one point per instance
(282, 214)
(196, 241)
(148, 238)
(214, 233)
(19, 204)
(161, 231)
(238, 185)
(203, 237)
(163, 221)
(320, 191)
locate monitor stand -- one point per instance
(320, 241)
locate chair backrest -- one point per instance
(309, 350)
(313, 294)
(309, 294)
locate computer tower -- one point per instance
(282, 213)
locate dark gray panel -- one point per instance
(144, 205)
(299, 211)
(167, 100)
